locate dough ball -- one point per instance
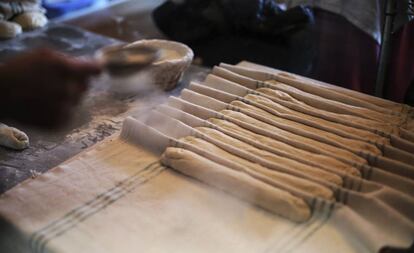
(13, 138)
(31, 20)
(9, 30)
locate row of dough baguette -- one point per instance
(291, 149)
(252, 169)
(244, 154)
(279, 201)
(323, 89)
(268, 99)
(368, 141)
(278, 192)
(267, 188)
(350, 101)
(359, 147)
(379, 180)
(269, 109)
(343, 125)
(298, 103)
(300, 135)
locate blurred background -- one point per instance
(335, 41)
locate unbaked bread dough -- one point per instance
(301, 142)
(31, 20)
(347, 96)
(345, 119)
(13, 138)
(238, 184)
(9, 30)
(272, 145)
(286, 163)
(320, 123)
(334, 106)
(300, 184)
(319, 135)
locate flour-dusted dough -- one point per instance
(31, 20)
(289, 164)
(272, 145)
(348, 120)
(329, 94)
(13, 138)
(335, 106)
(250, 74)
(300, 184)
(320, 123)
(354, 146)
(301, 142)
(238, 184)
(9, 30)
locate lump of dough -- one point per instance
(31, 20)
(236, 183)
(13, 138)
(9, 30)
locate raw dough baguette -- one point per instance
(271, 145)
(394, 136)
(264, 73)
(384, 163)
(361, 148)
(373, 126)
(321, 91)
(252, 169)
(299, 141)
(334, 106)
(288, 164)
(322, 124)
(344, 95)
(238, 184)
(354, 146)
(231, 77)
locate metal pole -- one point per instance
(385, 53)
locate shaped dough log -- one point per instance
(354, 146)
(286, 163)
(335, 106)
(322, 161)
(238, 184)
(322, 124)
(13, 138)
(277, 177)
(301, 142)
(349, 120)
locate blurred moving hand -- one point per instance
(42, 87)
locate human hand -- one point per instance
(42, 87)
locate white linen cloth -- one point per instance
(116, 197)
